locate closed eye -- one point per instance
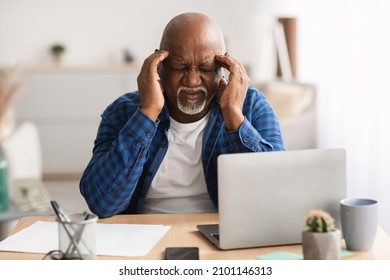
(179, 69)
(206, 70)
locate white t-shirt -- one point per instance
(179, 185)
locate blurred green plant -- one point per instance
(57, 49)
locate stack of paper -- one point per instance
(127, 240)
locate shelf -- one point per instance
(81, 68)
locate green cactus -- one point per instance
(319, 221)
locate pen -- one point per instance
(60, 214)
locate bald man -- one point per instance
(156, 149)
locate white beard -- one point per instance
(192, 107)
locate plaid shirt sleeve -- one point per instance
(260, 131)
(117, 162)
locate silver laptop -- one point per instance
(264, 198)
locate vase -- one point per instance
(321, 245)
(57, 59)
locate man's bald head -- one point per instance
(190, 74)
(189, 27)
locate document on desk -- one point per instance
(126, 240)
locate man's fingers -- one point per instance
(161, 54)
(154, 60)
(231, 64)
(158, 57)
(149, 71)
(223, 60)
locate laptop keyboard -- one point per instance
(216, 236)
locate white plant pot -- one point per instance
(321, 245)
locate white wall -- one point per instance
(96, 32)
(343, 48)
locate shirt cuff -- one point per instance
(141, 128)
(246, 136)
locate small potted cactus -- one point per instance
(321, 240)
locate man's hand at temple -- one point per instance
(232, 94)
(150, 87)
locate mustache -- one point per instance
(189, 89)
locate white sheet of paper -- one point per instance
(127, 240)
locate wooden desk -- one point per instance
(183, 232)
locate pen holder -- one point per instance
(77, 237)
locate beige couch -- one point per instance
(295, 105)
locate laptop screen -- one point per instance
(264, 198)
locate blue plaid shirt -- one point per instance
(130, 147)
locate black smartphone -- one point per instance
(182, 253)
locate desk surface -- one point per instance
(183, 232)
